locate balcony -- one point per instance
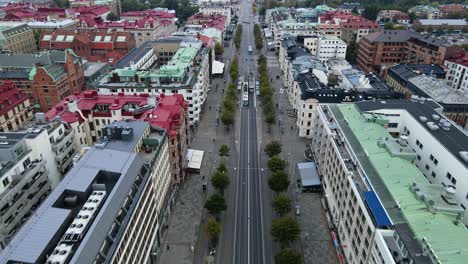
(61, 141)
(64, 152)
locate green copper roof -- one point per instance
(448, 240)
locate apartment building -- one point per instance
(216, 9)
(356, 28)
(88, 113)
(46, 77)
(395, 16)
(32, 163)
(114, 5)
(440, 24)
(143, 29)
(425, 11)
(452, 10)
(156, 13)
(17, 39)
(326, 47)
(309, 81)
(111, 207)
(380, 50)
(15, 109)
(457, 72)
(107, 46)
(186, 72)
(398, 75)
(142, 57)
(386, 175)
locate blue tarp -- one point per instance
(380, 216)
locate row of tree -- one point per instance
(284, 229)
(258, 37)
(183, 8)
(238, 36)
(234, 68)
(266, 92)
(229, 105)
(216, 203)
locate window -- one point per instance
(392, 125)
(419, 157)
(431, 157)
(436, 161)
(427, 167)
(454, 181)
(433, 174)
(5, 182)
(421, 146)
(417, 142)
(449, 176)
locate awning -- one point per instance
(380, 216)
(309, 174)
(218, 67)
(195, 158)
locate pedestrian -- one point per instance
(167, 247)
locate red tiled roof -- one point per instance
(461, 59)
(360, 23)
(87, 100)
(167, 114)
(207, 41)
(150, 13)
(10, 97)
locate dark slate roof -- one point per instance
(14, 74)
(454, 140)
(28, 60)
(403, 36)
(406, 71)
(311, 87)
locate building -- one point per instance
(216, 9)
(381, 50)
(309, 81)
(457, 72)
(67, 24)
(113, 5)
(142, 57)
(143, 29)
(453, 101)
(107, 46)
(32, 163)
(356, 29)
(111, 207)
(449, 11)
(15, 109)
(183, 67)
(398, 75)
(395, 16)
(386, 176)
(440, 24)
(350, 7)
(425, 11)
(46, 77)
(326, 47)
(93, 72)
(88, 113)
(17, 39)
(156, 13)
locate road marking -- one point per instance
(248, 187)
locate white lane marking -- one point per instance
(248, 186)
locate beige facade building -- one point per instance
(17, 39)
(15, 108)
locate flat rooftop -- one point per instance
(447, 239)
(438, 90)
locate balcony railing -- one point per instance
(62, 140)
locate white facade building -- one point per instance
(457, 73)
(217, 9)
(326, 47)
(383, 200)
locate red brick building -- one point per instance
(451, 10)
(356, 28)
(379, 50)
(95, 45)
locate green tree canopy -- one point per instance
(219, 50)
(222, 167)
(278, 181)
(224, 150)
(289, 256)
(273, 148)
(285, 230)
(276, 163)
(227, 117)
(220, 180)
(281, 204)
(212, 228)
(371, 12)
(215, 204)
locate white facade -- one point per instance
(217, 9)
(326, 47)
(457, 76)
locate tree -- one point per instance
(215, 204)
(465, 30)
(212, 228)
(389, 26)
(276, 164)
(112, 16)
(371, 12)
(62, 3)
(351, 50)
(224, 150)
(278, 181)
(288, 256)
(219, 50)
(273, 148)
(222, 167)
(220, 180)
(285, 230)
(429, 29)
(281, 204)
(412, 16)
(227, 117)
(465, 46)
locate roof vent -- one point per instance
(464, 155)
(432, 126)
(423, 118)
(436, 117)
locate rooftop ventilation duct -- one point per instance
(464, 155)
